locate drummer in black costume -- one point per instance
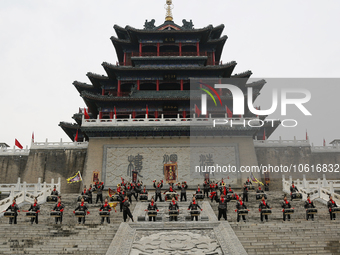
(54, 191)
(82, 208)
(152, 207)
(106, 208)
(13, 208)
(183, 189)
(293, 189)
(239, 206)
(126, 209)
(263, 205)
(331, 204)
(35, 208)
(60, 208)
(194, 207)
(172, 207)
(206, 188)
(285, 205)
(309, 204)
(158, 189)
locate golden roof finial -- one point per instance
(169, 6)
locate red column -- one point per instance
(157, 85)
(156, 114)
(133, 114)
(124, 58)
(111, 114)
(118, 89)
(100, 115)
(181, 84)
(138, 84)
(140, 49)
(184, 114)
(157, 49)
(180, 49)
(103, 92)
(198, 48)
(213, 56)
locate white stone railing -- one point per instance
(333, 148)
(208, 121)
(24, 192)
(14, 151)
(316, 188)
(281, 143)
(59, 145)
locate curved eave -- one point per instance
(70, 129)
(80, 86)
(96, 79)
(119, 47)
(121, 32)
(113, 71)
(217, 31)
(245, 74)
(202, 33)
(256, 84)
(219, 46)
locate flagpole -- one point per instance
(80, 176)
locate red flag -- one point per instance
(76, 137)
(86, 114)
(147, 111)
(324, 142)
(197, 111)
(264, 134)
(229, 113)
(18, 144)
(32, 137)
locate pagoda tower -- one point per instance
(140, 116)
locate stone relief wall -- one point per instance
(119, 161)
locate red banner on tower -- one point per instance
(18, 144)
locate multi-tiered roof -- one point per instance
(147, 92)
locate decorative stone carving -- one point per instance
(176, 242)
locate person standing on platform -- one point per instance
(35, 208)
(158, 190)
(183, 189)
(331, 204)
(54, 191)
(99, 187)
(285, 205)
(293, 189)
(308, 205)
(126, 209)
(245, 193)
(222, 207)
(89, 193)
(263, 205)
(266, 186)
(248, 182)
(82, 208)
(259, 189)
(15, 209)
(194, 207)
(59, 207)
(206, 188)
(152, 207)
(172, 207)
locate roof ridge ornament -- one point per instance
(168, 6)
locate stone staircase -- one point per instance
(67, 238)
(297, 236)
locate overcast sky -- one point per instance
(46, 45)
